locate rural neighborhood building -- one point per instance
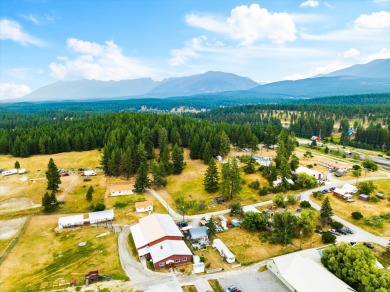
(121, 190)
(224, 251)
(350, 189)
(9, 172)
(101, 216)
(146, 206)
(364, 197)
(89, 172)
(303, 271)
(202, 285)
(71, 221)
(343, 194)
(309, 171)
(334, 166)
(278, 181)
(262, 160)
(198, 265)
(158, 238)
(22, 171)
(199, 235)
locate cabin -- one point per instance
(343, 194)
(146, 206)
(364, 197)
(309, 171)
(121, 190)
(224, 251)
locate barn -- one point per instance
(101, 216)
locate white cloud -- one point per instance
(11, 30)
(249, 24)
(352, 52)
(381, 1)
(11, 91)
(327, 4)
(382, 54)
(376, 20)
(96, 61)
(331, 67)
(31, 18)
(310, 3)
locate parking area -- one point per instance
(254, 281)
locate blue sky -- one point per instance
(43, 41)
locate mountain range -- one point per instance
(373, 77)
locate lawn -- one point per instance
(368, 209)
(44, 256)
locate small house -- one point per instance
(262, 160)
(309, 171)
(89, 173)
(146, 206)
(199, 235)
(224, 251)
(334, 166)
(364, 197)
(101, 216)
(121, 190)
(350, 189)
(342, 194)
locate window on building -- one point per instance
(177, 260)
(184, 259)
(161, 264)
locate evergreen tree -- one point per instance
(88, 196)
(326, 211)
(177, 160)
(294, 163)
(195, 147)
(270, 136)
(250, 167)
(49, 202)
(53, 177)
(142, 181)
(17, 164)
(224, 144)
(207, 153)
(165, 159)
(284, 225)
(231, 180)
(211, 178)
(159, 174)
(127, 163)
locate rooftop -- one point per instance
(143, 204)
(168, 248)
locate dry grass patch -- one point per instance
(45, 255)
(250, 247)
(368, 209)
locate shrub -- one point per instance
(374, 221)
(318, 195)
(263, 191)
(356, 167)
(309, 166)
(305, 204)
(337, 225)
(279, 200)
(254, 185)
(99, 207)
(328, 237)
(357, 215)
(374, 199)
(292, 199)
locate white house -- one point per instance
(9, 172)
(309, 171)
(246, 209)
(224, 251)
(343, 194)
(101, 216)
(278, 181)
(262, 160)
(146, 206)
(350, 189)
(71, 221)
(89, 172)
(121, 190)
(22, 171)
(303, 271)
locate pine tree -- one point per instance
(211, 178)
(207, 153)
(294, 163)
(17, 164)
(159, 174)
(250, 167)
(53, 177)
(270, 136)
(165, 159)
(49, 202)
(326, 211)
(177, 160)
(142, 180)
(224, 144)
(231, 180)
(88, 196)
(195, 147)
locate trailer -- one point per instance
(89, 173)
(224, 251)
(9, 172)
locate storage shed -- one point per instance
(364, 197)
(224, 251)
(70, 221)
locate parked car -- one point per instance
(220, 200)
(341, 231)
(325, 191)
(333, 231)
(182, 224)
(332, 189)
(353, 243)
(231, 288)
(337, 174)
(369, 245)
(347, 230)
